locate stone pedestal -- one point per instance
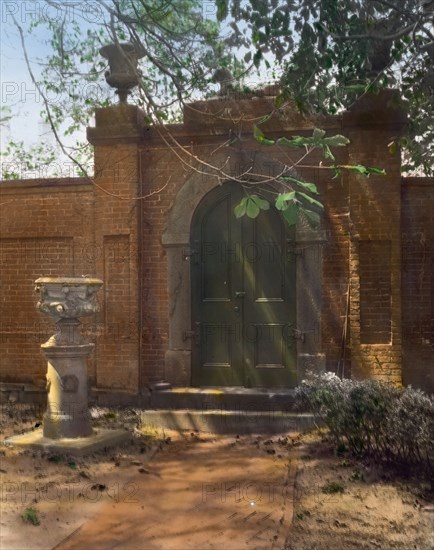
(67, 424)
(65, 299)
(67, 412)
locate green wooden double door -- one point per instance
(243, 295)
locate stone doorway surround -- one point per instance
(176, 240)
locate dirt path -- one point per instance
(206, 494)
(185, 492)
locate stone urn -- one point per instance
(123, 73)
(65, 300)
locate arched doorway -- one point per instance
(181, 257)
(243, 295)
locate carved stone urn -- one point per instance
(65, 299)
(123, 74)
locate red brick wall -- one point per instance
(116, 262)
(72, 228)
(160, 170)
(418, 281)
(375, 292)
(375, 221)
(112, 228)
(44, 231)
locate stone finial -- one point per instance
(225, 78)
(123, 73)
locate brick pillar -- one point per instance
(116, 139)
(375, 239)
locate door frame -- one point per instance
(176, 241)
(241, 351)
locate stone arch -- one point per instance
(176, 240)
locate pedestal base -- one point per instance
(67, 413)
(67, 426)
(78, 446)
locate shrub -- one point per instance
(410, 426)
(372, 417)
(30, 515)
(333, 487)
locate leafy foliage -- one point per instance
(5, 115)
(17, 161)
(181, 50)
(41, 161)
(372, 417)
(299, 200)
(331, 52)
(181, 47)
(251, 206)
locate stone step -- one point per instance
(227, 399)
(226, 422)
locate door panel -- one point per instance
(269, 303)
(243, 296)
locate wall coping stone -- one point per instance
(41, 185)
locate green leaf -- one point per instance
(251, 206)
(317, 140)
(248, 57)
(252, 209)
(326, 62)
(162, 115)
(311, 187)
(265, 118)
(261, 203)
(327, 152)
(283, 198)
(337, 141)
(363, 170)
(296, 141)
(240, 209)
(318, 134)
(356, 88)
(222, 9)
(310, 199)
(291, 213)
(259, 136)
(257, 58)
(279, 100)
(336, 171)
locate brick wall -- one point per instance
(44, 231)
(375, 292)
(375, 224)
(377, 253)
(418, 281)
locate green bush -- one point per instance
(30, 515)
(333, 487)
(373, 418)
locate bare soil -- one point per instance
(342, 503)
(336, 503)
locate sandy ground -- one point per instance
(170, 491)
(377, 509)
